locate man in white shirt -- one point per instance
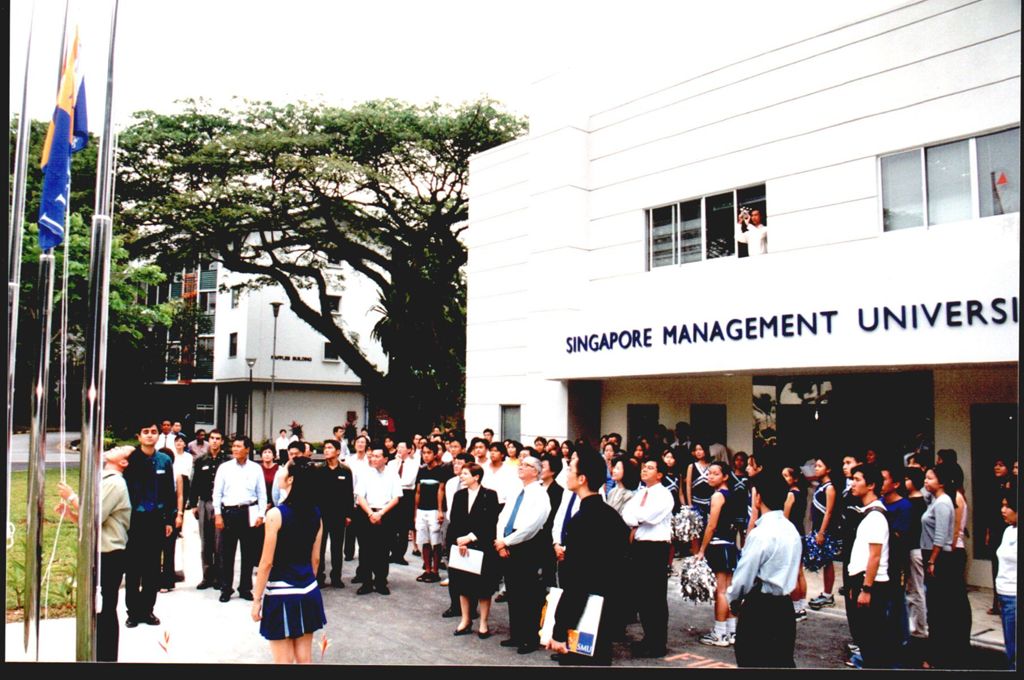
(378, 492)
(478, 447)
(359, 463)
(281, 444)
(502, 478)
(522, 544)
(406, 468)
(567, 509)
(237, 487)
(649, 513)
(165, 440)
(868, 591)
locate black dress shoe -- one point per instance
(509, 643)
(364, 589)
(463, 631)
(245, 595)
(484, 635)
(357, 579)
(349, 559)
(400, 560)
(383, 590)
(528, 648)
(150, 620)
(131, 623)
(203, 585)
(224, 597)
(450, 612)
(337, 583)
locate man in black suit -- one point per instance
(551, 466)
(596, 546)
(336, 506)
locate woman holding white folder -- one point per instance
(474, 518)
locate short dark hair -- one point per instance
(947, 455)
(474, 440)
(662, 467)
(215, 431)
(297, 445)
(915, 475)
(181, 437)
(465, 457)
(893, 471)
(554, 462)
(146, 424)
(333, 442)
(475, 469)
(630, 470)
(872, 475)
(200, 431)
(363, 437)
(591, 465)
(487, 429)
(772, 489)
(338, 427)
(460, 440)
(246, 442)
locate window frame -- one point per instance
(922, 160)
(324, 357)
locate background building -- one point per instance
(608, 289)
(311, 385)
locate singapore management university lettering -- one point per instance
(952, 314)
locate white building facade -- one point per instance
(306, 383)
(610, 287)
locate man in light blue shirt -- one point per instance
(764, 578)
(237, 487)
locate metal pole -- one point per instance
(94, 385)
(248, 408)
(37, 458)
(273, 364)
(14, 246)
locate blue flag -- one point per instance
(67, 134)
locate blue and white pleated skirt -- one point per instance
(291, 611)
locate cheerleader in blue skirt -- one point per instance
(286, 599)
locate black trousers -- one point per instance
(374, 545)
(354, 529)
(524, 591)
(334, 532)
(167, 559)
(949, 611)
(649, 560)
(209, 536)
(870, 626)
(765, 632)
(404, 514)
(142, 568)
(107, 629)
(237, 531)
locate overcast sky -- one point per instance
(345, 52)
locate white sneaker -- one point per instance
(732, 638)
(712, 638)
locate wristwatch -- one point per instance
(866, 589)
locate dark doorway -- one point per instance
(993, 435)
(641, 420)
(708, 423)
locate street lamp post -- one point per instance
(250, 361)
(273, 363)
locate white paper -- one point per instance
(582, 639)
(473, 562)
(254, 514)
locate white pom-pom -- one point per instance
(696, 580)
(687, 524)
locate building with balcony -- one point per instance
(615, 281)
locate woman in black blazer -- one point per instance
(474, 519)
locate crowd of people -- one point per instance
(517, 521)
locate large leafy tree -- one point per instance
(303, 196)
(131, 340)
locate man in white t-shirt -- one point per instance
(869, 591)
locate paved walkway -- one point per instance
(197, 628)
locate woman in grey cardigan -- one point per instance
(949, 612)
(626, 477)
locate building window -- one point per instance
(331, 352)
(510, 417)
(204, 358)
(334, 304)
(706, 228)
(951, 182)
(208, 301)
(233, 345)
(204, 413)
(235, 297)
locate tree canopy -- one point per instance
(305, 196)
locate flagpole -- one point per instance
(35, 515)
(94, 386)
(14, 245)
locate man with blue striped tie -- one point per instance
(522, 545)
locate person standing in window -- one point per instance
(751, 231)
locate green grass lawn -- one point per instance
(61, 598)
